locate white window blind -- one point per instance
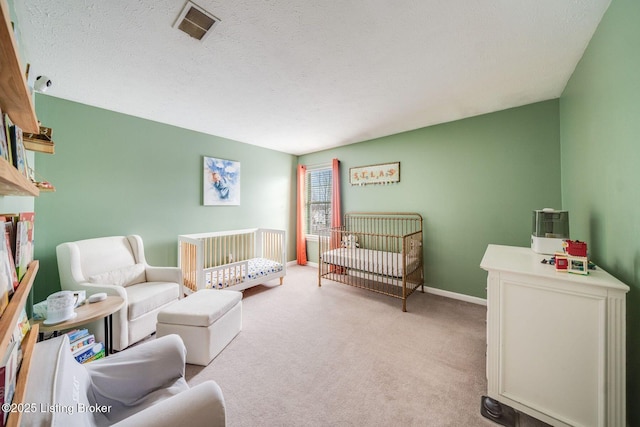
(318, 203)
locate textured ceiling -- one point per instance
(302, 76)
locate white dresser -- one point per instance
(555, 341)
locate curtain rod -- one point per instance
(319, 165)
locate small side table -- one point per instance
(88, 313)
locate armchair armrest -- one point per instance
(163, 274)
(139, 370)
(94, 288)
(200, 406)
(154, 274)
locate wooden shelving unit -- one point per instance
(8, 323)
(15, 97)
(28, 345)
(39, 145)
(10, 316)
(41, 142)
(17, 102)
(13, 183)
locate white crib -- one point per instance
(237, 259)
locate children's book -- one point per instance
(24, 242)
(7, 123)
(4, 296)
(17, 149)
(90, 352)
(6, 276)
(77, 334)
(97, 356)
(82, 344)
(8, 371)
(9, 250)
(4, 142)
(22, 326)
(10, 221)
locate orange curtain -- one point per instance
(301, 243)
(336, 216)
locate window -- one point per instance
(318, 202)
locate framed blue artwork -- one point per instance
(221, 182)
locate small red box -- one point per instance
(576, 248)
(562, 263)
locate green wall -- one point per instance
(600, 128)
(475, 181)
(116, 174)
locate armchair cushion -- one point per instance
(103, 254)
(145, 297)
(124, 276)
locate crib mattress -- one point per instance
(257, 267)
(371, 261)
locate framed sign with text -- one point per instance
(386, 173)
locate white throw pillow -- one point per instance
(122, 276)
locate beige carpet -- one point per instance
(340, 356)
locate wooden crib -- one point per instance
(237, 259)
(381, 252)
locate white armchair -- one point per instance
(141, 386)
(117, 266)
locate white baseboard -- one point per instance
(455, 295)
(435, 291)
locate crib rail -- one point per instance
(387, 223)
(225, 275)
(200, 253)
(379, 252)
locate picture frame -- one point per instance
(221, 182)
(383, 173)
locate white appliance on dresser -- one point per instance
(555, 341)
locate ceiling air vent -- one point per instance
(195, 21)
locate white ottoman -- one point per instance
(206, 321)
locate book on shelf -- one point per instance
(18, 155)
(8, 371)
(6, 275)
(4, 142)
(22, 326)
(10, 221)
(90, 353)
(99, 355)
(24, 242)
(6, 124)
(77, 334)
(5, 242)
(82, 344)
(4, 296)
(20, 331)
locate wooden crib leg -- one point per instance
(404, 305)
